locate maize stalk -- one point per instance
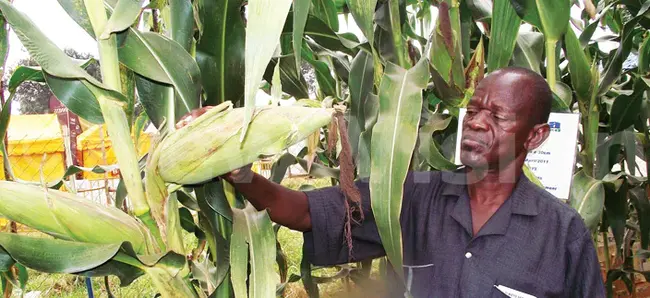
(66, 216)
(209, 147)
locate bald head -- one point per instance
(529, 88)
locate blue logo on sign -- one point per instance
(555, 126)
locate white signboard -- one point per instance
(553, 161)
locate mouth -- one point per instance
(472, 144)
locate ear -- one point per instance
(537, 136)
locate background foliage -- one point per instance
(416, 61)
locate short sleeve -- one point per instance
(584, 278)
(325, 244)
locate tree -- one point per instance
(34, 97)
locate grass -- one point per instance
(66, 285)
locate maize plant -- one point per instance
(384, 95)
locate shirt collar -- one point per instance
(522, 199)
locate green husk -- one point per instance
(66, 216)
(209, 147)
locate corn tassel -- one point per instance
(66, 216)
(209, 147)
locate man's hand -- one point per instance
(241, 175)
(189, 117)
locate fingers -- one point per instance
(191, 116)
(241, 175)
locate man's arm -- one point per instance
(584, 277)
(286, 207)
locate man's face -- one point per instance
(497, 122)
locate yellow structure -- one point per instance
(31, 137)
(97, 150)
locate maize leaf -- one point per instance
(91, 260)
(446, 60)
(126, 13)
(263, 29)
(253, 230)
(62, 256)
(301, 11)
(393, 140)
(505, 27)
(208, 147)
(588, 198)
(69, 217)
(361, 84)
(219, 50)
(363, 12)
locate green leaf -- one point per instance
(220, 50)
(428, 147)
(617, 213)
(25, 73)
(187, 200)
(563, 93)
(446, 59)
(481, 9)
(205, 273)
(363, 12)
(120, 194)
(626, 109)
(326, 82)
(639, 199)
(170, 61)
(215, 219)
(394, 136)
(253, 233)
(324, 36)
(588, 198)
(276, 85)
(76, 97)
(280, 166)
(326, 11)
(125, 14)
(360, 84)
(370, 113)
(505, 27)
(60, 215)
(615, 64)
(550, 16)
(5, 117)
(300, 12)
(579, 68)
(529, 50)
(47, 54)
(181, 23)
(154, 97)
(293, 83)
(644, 56)
(56, 256)
(265, 21)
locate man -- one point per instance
(482, 231)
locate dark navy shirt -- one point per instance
(534, 243)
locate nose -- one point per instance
(477, 120)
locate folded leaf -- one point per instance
(505, 27)
(253, 233)
(219, 51)
(394, 136)
(588, 198)
(125, 14)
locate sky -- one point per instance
(55, 23)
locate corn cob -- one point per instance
(66, 216)
(209, 146)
